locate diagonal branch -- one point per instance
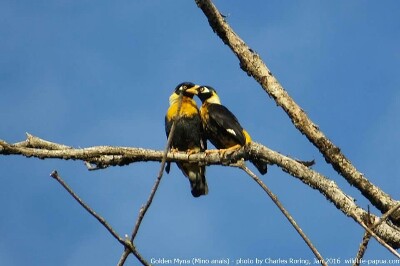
(367, 235)
(143, 209)
(253, 65)
(126, 243)
(328, 188)
(379, 239)
(284, 211)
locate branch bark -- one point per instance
(367, 236)
(104, 156)
(113, 156)
(253, 65)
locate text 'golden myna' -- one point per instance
(188, 135)
(221, 126)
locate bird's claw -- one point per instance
(208, 152)
(173, 150)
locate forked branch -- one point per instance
(367, 235)
(254, 66)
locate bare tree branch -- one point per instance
(100, 157)
(328, 188)
(379, 239)
(387, 231)
(127, 243)
(367, 236)
(362, 248)
(275, 199)
(143, 209)
(252, 64)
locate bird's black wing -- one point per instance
(226, 122)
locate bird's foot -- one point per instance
(192, 151)
(173, 150)
(228, 151)
(208, 152)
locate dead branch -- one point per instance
(367, 235)
(253, 65)
(105, 156)
(289, 217)
(329, 189)
(110, 156)
(146, 206)
(128, 244)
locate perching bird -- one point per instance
(188, 135)
(221, 126)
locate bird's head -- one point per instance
(186, 88)
(207, 94)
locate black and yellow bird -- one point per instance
(221, 126)
(188, 135)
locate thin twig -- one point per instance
(128, 244)
(362, 248)
(386, 215)
(367, 236)
(364, 241)
(143, 209)
(382, 242)
(35, 142)
(275, 199)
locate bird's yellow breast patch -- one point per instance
(188, 108)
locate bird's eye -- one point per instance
(202, 89)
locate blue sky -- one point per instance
(87, 73)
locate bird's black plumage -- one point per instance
(221, 126)
(188, 135)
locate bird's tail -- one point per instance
(168, 167)
(197, 178)
(261, 165)
(199, 186)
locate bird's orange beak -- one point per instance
(193, 90)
